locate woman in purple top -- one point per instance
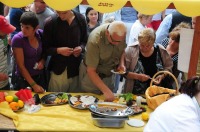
(27, 48)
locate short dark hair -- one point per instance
(29, 18)
(191, 87)
(87, 11)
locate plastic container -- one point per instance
(110, 122)
(139, 100)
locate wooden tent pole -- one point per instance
(195, 50)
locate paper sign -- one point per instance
(185, 47)
(106, 6)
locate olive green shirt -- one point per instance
(101, 54)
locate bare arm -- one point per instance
(163, 14)
(108, 94)
(122, 63)
(19, 57)
(136, 76)
(3, 76)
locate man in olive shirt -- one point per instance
(104, 48)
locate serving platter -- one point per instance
(110, 109)
(54, 99)
(82, 101)
(137, 109)
(121, 99)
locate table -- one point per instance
(60, 118)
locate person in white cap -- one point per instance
(5, 29)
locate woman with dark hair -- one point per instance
(92, 18)
(181, 113)
(171, 44)
(27, 49)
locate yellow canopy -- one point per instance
(16, 3)
(149, 7)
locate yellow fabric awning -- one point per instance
(16, 3)
(188, 7)
(62, 5)
(149, 7)
(105, 6)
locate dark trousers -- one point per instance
(7, 87)
(21, 83)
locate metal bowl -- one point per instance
(110, 122)
(109, 109)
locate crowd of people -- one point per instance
(74, 52)
(66, 51)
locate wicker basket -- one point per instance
(156, 95)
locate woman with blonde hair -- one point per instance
(142, 61)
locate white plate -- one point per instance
(121, 73)
(135, 122)
(83, 101)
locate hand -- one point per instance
(121, 68)
(158, 79)
(40, 65)
(143, 77)
(38, 89)
(109, 96)
(3, 76)
(77, 51)
(65, 51)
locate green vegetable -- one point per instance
(128, 96)
(64, 96)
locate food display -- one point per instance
(129, 99)
(110, 109)
(82, 101)
(54, 99)
(14, 102)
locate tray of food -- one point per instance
(110, 109)
(54, 99)
(82, 101)
(129, 99)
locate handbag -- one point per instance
(156, 95)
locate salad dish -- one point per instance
(54, 99)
